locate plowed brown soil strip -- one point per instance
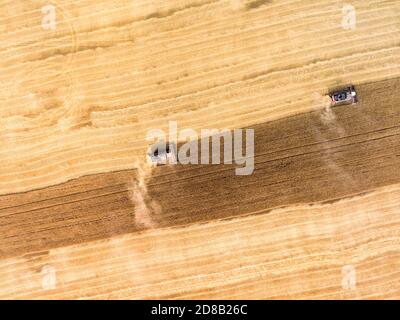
(321, 156)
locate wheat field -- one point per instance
(83, 216)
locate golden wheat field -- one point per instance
(84, 215)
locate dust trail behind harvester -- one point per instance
(146, 209)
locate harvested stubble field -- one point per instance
(83, 216)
